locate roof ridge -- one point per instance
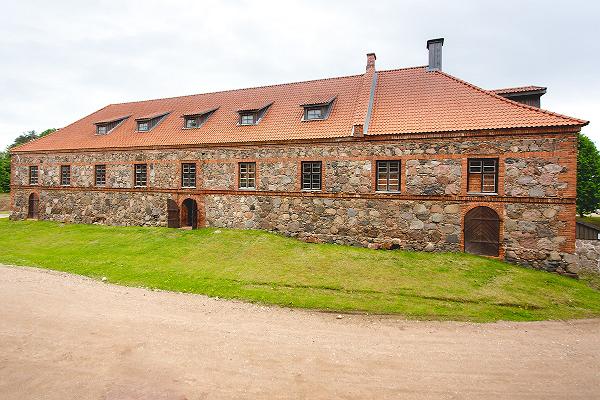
(402, 69)
(237, 90)
(472, 86)
(514, 88)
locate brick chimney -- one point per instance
(435, 54)
(371, 57)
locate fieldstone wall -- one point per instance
(109, 208)
(588, 255)
(433, 177)
(535, 235)
(348, 211)
(410, 225)
(535, 177)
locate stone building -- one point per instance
(409, 158)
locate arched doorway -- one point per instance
(190, 213)
(482, 231)
(34, 203)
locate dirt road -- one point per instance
(67, 337)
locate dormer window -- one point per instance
(314, 113)
(251, 115)
(317, 110)
(248, 119)
(148, 122)
(104, 127)
(197, 119)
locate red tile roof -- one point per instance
(417, 101)
(519, 89)
(409, 100)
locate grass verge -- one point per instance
(268, 268)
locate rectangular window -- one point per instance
(101, 129)
(143, 126)
(141, 175)
(314, 113)
(248, 119)
(33, 175)
(388, 176)
(247, 175)
(65, 175)
(311, 175)
(192, 122)
(188, 175)
(482, 175)
(100, 172)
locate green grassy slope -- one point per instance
(264, 267)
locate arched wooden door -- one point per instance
(190, 213)
(482, 231)
(172, 214)
(34, 204)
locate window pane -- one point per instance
(188, 175)
(140, 175)
(247, 175)
(100, 174)
(489, 183)
(142, 126)
(475, 166)
(388, 176)
(65, 175)
(311, 175)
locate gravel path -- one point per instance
(68, 337)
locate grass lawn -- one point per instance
(4, 202)
(264, 267)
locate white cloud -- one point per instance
(62, 60)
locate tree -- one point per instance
(5, 156)
(4, 172)
(588, 176)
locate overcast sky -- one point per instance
(62, 60)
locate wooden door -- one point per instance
(482, 231)
(34, 203)
(172, 214)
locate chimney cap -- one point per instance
(432, 41)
